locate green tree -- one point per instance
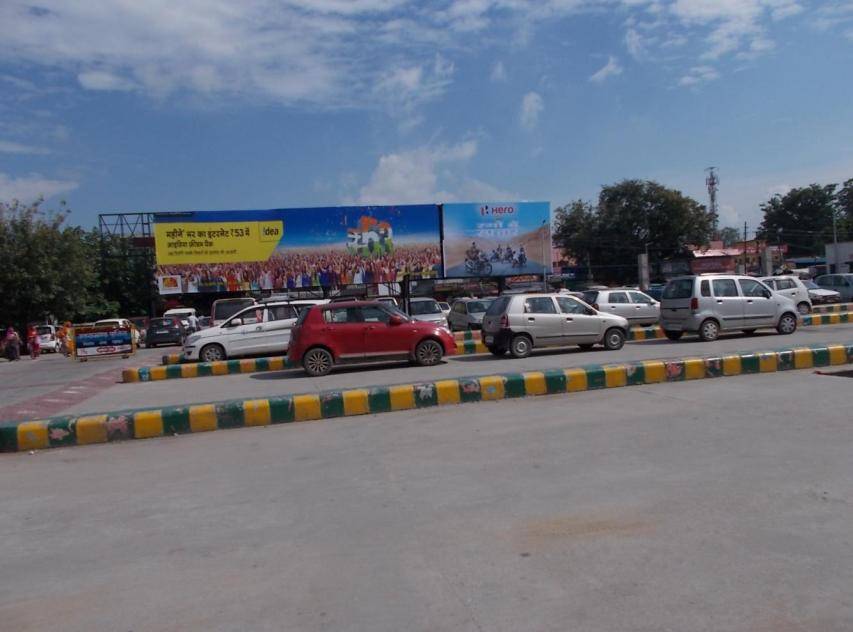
(631, 216)
(802, 218)
(729, 235)
(125, 273)
(844, 203)
(46, 268)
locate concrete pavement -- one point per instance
(209, 389)
(719, 506)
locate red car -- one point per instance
(364, 331)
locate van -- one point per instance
(708, 304)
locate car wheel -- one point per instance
(497, 351)
(787, 324)
(317, 362)
(614, 339)
(428, 353)
(709, 331)
(586, 346)
(212, 353)
(521, 346)
(673, 335)
(804, 308)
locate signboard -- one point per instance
(98, 341)
(500, 239)
(281, 249)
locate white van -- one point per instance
(182, 314)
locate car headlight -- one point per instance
(192, 340)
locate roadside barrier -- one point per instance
(156, 422)
(833, 307)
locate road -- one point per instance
(718, 506)
(209, 389)
(54, 382)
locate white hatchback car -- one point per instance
(793, 288)
(263, 328)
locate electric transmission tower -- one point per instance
(712, 181)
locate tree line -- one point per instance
(50, 270)
(635, 216)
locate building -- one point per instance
(741, 256)
(844, 257)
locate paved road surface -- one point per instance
(208, 389)
(712, 506)
(53, 382)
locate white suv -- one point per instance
(793, 288)
(263, 328)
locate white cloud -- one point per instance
(699, 74)
(610, 69)
(498, 72)
(433, 173)
(341, 53)
(32, 186)
(100, 80)
(10, 147)
(531, 107)
(634, 43)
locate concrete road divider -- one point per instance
(156, 422)
(810, 320)
(833, 307)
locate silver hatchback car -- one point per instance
(709, 304)
(521, 322)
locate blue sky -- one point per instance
(214, 104)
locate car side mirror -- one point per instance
(395, 320)
(590, 311)
(235, 322)
(768, 294)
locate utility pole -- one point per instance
(834, 268)
(712, 182)
(744, 247)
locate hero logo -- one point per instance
(487, 210)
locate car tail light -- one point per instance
(504, 321)
(694, 304)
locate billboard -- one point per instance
(281, 249)
(497, 239)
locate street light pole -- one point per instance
(544, 260)
(834, 269)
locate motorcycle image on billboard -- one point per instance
(499, 239)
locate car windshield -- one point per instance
(44, 329)
(476, 307)
(394, 310)
(498, 306)
(224, 309)
(162, 322)
(420, 308)
(811, 285)
(682, 288)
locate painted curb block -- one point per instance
(833, 307)
(156, 422)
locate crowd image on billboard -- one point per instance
(324, 247)
(310, 269)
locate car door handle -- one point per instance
(531, 320)
(749, 300)
(258, 328)
(719, 300)
(569, 318)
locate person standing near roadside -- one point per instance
(33, 343)
(193, 322)
(13, 344)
